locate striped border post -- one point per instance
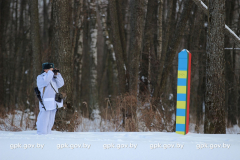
(183, 92)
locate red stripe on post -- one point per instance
(188, 92)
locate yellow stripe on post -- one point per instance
(182, 74)
(180, 119)
(179, 132)
(182, 89)
(181, 104)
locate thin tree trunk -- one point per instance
(137, 19)
(230, 80)
(120, 13)
(196, 27)
(86, 70)
(35, 38)
(199, 60)
(160, 30)
(102, 80)
(45, 25)
(4, 15)
(109, 81)
(36, 50)
(9, 78)
(117, 44)
(93, 32)
(158, 45)
(147, 45)
(20, 45)
(237, 64)
(77, 52)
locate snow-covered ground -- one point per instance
(26, 145)
(86, 125)
(96, 140)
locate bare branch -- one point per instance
(227, 30)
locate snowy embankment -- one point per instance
(121, 145)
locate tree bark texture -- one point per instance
(147, 46)
(36, 46)
(35, 38)
(231, 105)
(215, 72)
(4, 15)
(137, 19)
(117, 44)
(93, 32)
(63, 55)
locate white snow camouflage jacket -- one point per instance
(44, 80)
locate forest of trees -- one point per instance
(120, 57)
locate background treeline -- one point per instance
(117, 56)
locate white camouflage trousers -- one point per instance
(45, 121)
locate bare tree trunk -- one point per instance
(93, 32)
(121, 4)
(51, 33)
(35, 38)
(64, 55)
(237, 64)
(117, 44)
(9, 78)
(196, 27)
(1, 54)
(147, 47)
(20, 54)
(77, 52)
(12, 99)
(137, 19)
(4, 15)
(109, 76)
(215, 73)
(156, 56)
(102, 80)
(45, 25)
(86, 60)
(230, 80)
(160, 30)
(201, 59)
(36, 50)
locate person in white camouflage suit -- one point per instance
(48, 83)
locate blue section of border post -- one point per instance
(182, 54)
(183, 64)
(180, 127)
(182, 82)
(181, 112)
(181, 97)
(183, 60)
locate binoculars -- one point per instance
(55, 70)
